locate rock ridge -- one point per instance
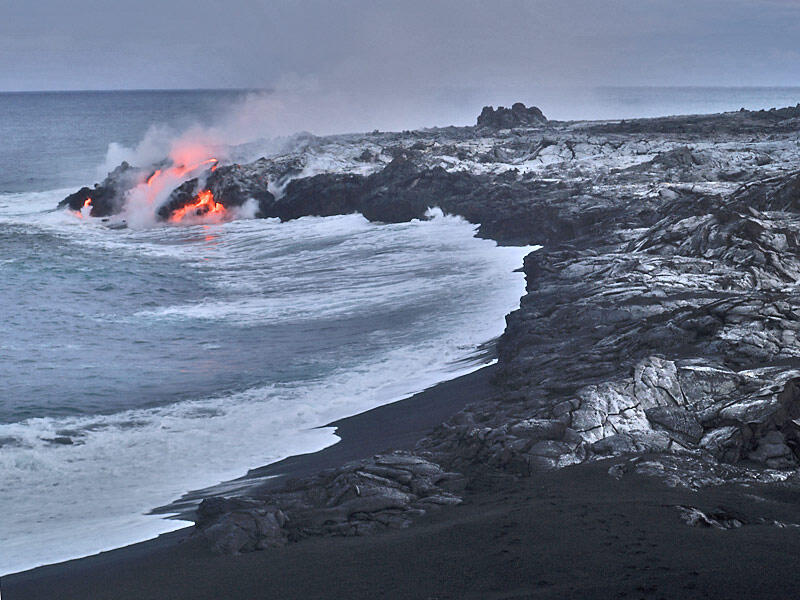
(660, 318)
(506, 118)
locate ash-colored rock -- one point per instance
(359, 498)
(678, 421)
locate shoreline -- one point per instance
(569, 533)
(644, 439)
(379, 389)
(396, 425)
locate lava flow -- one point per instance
(153, 177)
(203, 206)
(85, 210)
(143, 201)
(178, 172)
(182, 170)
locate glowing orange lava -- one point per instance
(86, 204)
(179, 171)
(182, 170)
(204, 205)
(153, 177)
(185, 162)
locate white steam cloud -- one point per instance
(257, 124)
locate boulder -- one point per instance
(506, 118)
(106, 198)
(231, 526)
(358, 498)
(772, 451)
(677, 421)
(724, 443)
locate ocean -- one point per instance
(139, 364)
(613, 102)
(171, 358)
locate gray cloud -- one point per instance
(382, 56)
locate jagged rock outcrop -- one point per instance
(506, 118)
(662, 407)
(678, 337)
(232, 186)
(508, 209)
(321, 195)
(106, 198)
(235, 185)
(781, 193)
(362, 497)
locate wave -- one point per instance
(360, 314)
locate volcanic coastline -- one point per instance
(639, 435)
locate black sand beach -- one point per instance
(574, 533)
(398, 425)
(395, 426)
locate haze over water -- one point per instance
(55, 139)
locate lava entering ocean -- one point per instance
(85, 210)
(176, 190)
(203, 206)
(144, 200)
(162, 178)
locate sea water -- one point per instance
(139, 364)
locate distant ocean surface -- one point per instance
(635, 102)
(173, 358)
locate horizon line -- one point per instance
(106, 90)
(266, 89)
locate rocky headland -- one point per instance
(660, 326)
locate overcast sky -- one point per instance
(378, 59)
(102, 44)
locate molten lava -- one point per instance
(204, 205)
(182, 170)
(153, 177)
(85, 210)
(153, 192)
(179, 171)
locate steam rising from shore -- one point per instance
(257, 124)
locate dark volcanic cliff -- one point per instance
(661, 316)
(106, 198)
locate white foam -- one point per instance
(60, 502)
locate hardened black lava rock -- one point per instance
(506, 118)
(108, 197)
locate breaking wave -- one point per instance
(176, 358)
